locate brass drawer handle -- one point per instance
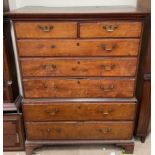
(105, 113)
(49, 67)
(106, 130)
(9, 82)
(108, 48)
(108, 67)
(110, 28)
(107, 88)
(45, 28)
(52, 112)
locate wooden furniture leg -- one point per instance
(128, 147)
(29, 148)
(142, 138)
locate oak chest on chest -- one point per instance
(80, 72)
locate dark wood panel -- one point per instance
(89, 87)
(79, 130)
(7, 79)
(9, 127)
(72, 47)
(46, 29)
(145, 108)
(10, 85)
(11, 140)
(144, 78)
(78, 67)
(13, 135)
(147, 68)
(78, 111)
(145, 112)
(110, 29)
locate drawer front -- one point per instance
(78, 66)
(10, 140)
(46, 29)
(70, 47)
(10, 127)
(90, 87)
(79, 130)
(13, 133)
(110, 29)
(78, 111)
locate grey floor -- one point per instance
(140, 149)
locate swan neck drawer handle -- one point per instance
(105, 113)
(106, 130)
(53, 112)
(108, 48)
(45, 28)
(108, 67)
(49, 67)
(110, 28)
(107, 88)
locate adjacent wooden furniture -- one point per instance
(81, 73)
(144, 117)
(13, 129)
(13, 132)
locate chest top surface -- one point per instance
(77, 12)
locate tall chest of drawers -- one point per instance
(81, 73)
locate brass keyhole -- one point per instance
(53, 46)
(78, 62)
(48, 130)
(78, 82)
(78, 44)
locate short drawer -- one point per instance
(110, 29)
(85, 87)
(10, 140)
(78, 67)
(10, 127)
(13, 133)
(46, 29)
(76, 47)
(79, 130)
(44, 111)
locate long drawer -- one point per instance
(110, 29)
(46, 29)
(43, 111)
(85, 87)
(79, 130)
(76, 47)
(78, 66)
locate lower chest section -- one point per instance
(79, 120)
